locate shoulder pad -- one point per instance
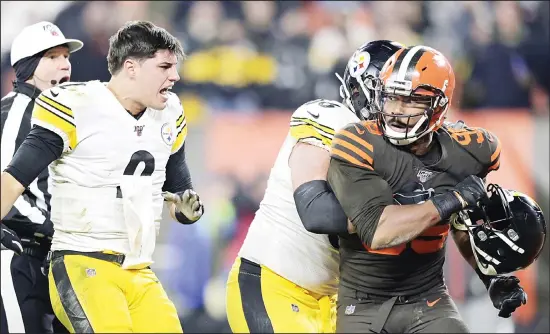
(480, 142)
(55, 108)
(315, 122)
(328, 113)
(356, 144)
(174, 110)
(67, 93)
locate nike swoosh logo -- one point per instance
(359, 131)
(312, 114)
(431, 304)
(54, 94)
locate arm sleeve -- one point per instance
(319, 209)
(38, 150)
(363, 195)
(178, 178)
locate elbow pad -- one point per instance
(319, 209)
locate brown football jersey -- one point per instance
(368, 172)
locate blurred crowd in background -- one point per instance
(247, 59)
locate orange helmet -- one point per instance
(417, 72)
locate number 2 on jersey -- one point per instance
(138, 157)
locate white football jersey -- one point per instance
(106, 186)
(277, 238)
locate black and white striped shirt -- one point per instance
(29, 217)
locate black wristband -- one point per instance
(484, 278)
(446, 204)
(183, 218)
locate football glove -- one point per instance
(10, 240)
(506, 294)
(466, 194)
(187, 203)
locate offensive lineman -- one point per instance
(400, 179)
(285, 278)
(116, 150)
(40, 57)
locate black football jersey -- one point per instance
(368, 172)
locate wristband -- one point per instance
(183, 218)
(446, 204)
(484, 278)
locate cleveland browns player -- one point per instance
(285, 277)
(400, 179)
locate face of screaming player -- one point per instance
(402, 113)
(155, 77)
(54, 65)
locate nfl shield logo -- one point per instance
(138, 129)
(350, 309)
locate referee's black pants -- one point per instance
(25, 299)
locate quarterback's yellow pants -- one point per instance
(260, 301)
(90, 295)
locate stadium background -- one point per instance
(250, 64)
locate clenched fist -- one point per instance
(466, 194)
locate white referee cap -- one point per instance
(39, 37)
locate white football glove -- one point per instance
(188, 203)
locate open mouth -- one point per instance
(164, 91)
(63, 80)
(399, 127)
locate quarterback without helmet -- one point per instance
(117, 152)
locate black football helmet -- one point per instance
(507, 231)
(358, 87)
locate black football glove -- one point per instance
(10, 240)
(506, 294)
(466, 194)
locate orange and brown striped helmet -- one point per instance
(419, 71)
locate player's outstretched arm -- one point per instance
(316, 204)
(504, 291)
(40, 148)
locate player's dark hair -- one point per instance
(139, 40)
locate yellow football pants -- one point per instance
(260, 301)
(89, 295)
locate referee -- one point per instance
(40, 57)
